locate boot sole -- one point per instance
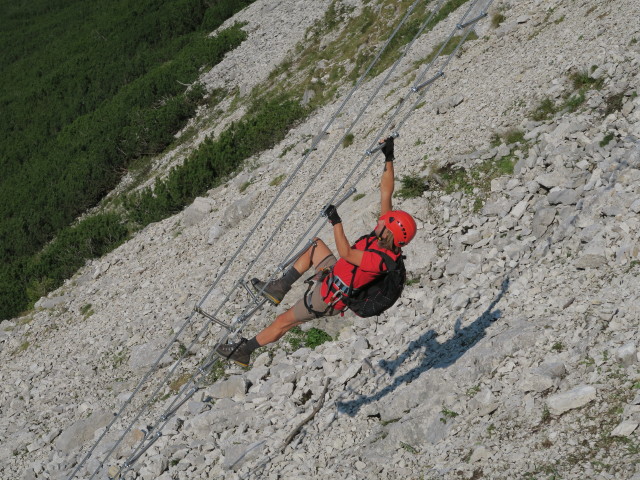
(271, 299)
(232, 360)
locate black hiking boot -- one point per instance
(236, 352)
(272, 291)
(275, 290)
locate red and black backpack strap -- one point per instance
(370, 237)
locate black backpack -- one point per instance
(380, 294)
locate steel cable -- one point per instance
(310, 184)
(224, 270)
(410, 111)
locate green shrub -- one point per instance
(106, 88)
(574, 101)
(497, 19)
(495, 140)
(447, 414)
(316, 337)
(264, 126)
(311, 339)
(503, 166)
(455, 179)
(90, 238)
(411, 186)
(544, 111)
(607, 138)
(278, 180)
(514, 136)
(614, 103)
(449, 46)
(582, 80)
(348, 140)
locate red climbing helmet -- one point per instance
(401, 224)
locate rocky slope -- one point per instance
(513, 352)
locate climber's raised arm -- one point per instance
(346, 252)
(387, 182)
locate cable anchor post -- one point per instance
(378, 147)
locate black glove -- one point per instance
(331, 212)
(387, 149)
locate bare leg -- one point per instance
(281, 325)
(286, 321)
(312, 256)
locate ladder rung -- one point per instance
(249, 290)
(460, 26)
(428, 82)
(212, 318)
(380, 145)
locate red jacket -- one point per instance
(370, 267)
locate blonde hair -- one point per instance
(386, 242)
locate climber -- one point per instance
(335, 278)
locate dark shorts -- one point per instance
(300, 311)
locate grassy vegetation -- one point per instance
(595, 427)
(322, 66)
(277, 180)
(411, 186)
(497, 19)
(449, 48)
(358, 196)
(475, 181)
(607, 138)
(216, 373)
(409, 448)
(87, 310)
(614, 103)
(508, 137)
(179, 382)
(265, 125)
(244, 186)
(138, 114)
(311, 338)
(447, 414)
(545, 110)
(581, 82)
(477, 177)
(348, 140)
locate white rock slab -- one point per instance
(575, 398)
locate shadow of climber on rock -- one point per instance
(434, 354)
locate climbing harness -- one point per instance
(154, 432)
(313, 282)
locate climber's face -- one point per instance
(380, 228)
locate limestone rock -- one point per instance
(624, 429)
(234, 386)
(197, 211)
(627, 354)
(82, 431)
(594, 256)
(571, 399)
(541, 220)
(144, 356)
